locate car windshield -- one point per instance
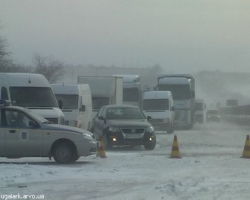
(179, 92)
(33, 97)
(125, 113)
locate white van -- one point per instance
(159, 105)
(76, 104)
(32, 91)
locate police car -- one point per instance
(23, 133)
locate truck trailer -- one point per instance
(105, 90)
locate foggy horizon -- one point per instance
(180, 36)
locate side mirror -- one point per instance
(82, 108)
(172, 108)
(101, 118)
(149, 118)
(60, 104)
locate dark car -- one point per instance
(213, 115)
(121, 125)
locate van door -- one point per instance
(21, 139)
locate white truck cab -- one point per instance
(76, 104)
(32, 91)
(159, 105)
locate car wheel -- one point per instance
(150, 145)
(63, 153)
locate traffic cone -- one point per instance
(101, 150)
(246, 151)
(175, 149)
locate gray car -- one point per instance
(26, 134)
(121, 125)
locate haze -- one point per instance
(180, 36)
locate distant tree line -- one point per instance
(51, 68)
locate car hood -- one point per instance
(64, 128)
(129, 122)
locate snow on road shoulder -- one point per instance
(211, 167)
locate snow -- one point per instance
(210, 167)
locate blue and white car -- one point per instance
(23, 133)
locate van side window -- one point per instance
(4, 93)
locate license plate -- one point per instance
(133, 136)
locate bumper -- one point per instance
(118, 139)
(87, 148)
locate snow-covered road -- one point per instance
(211, 167)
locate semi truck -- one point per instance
(105, 90)
(182, 87)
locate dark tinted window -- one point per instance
(178, 91)
(33, 97)
(125, 113)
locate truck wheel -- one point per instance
(63, 153)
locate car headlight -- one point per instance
(114, 129)
(87, 136)
(150, 129)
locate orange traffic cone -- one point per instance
(246, 151)
(101, 150)
(175, 149)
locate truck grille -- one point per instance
(133, 130)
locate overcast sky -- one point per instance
(179, 35)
